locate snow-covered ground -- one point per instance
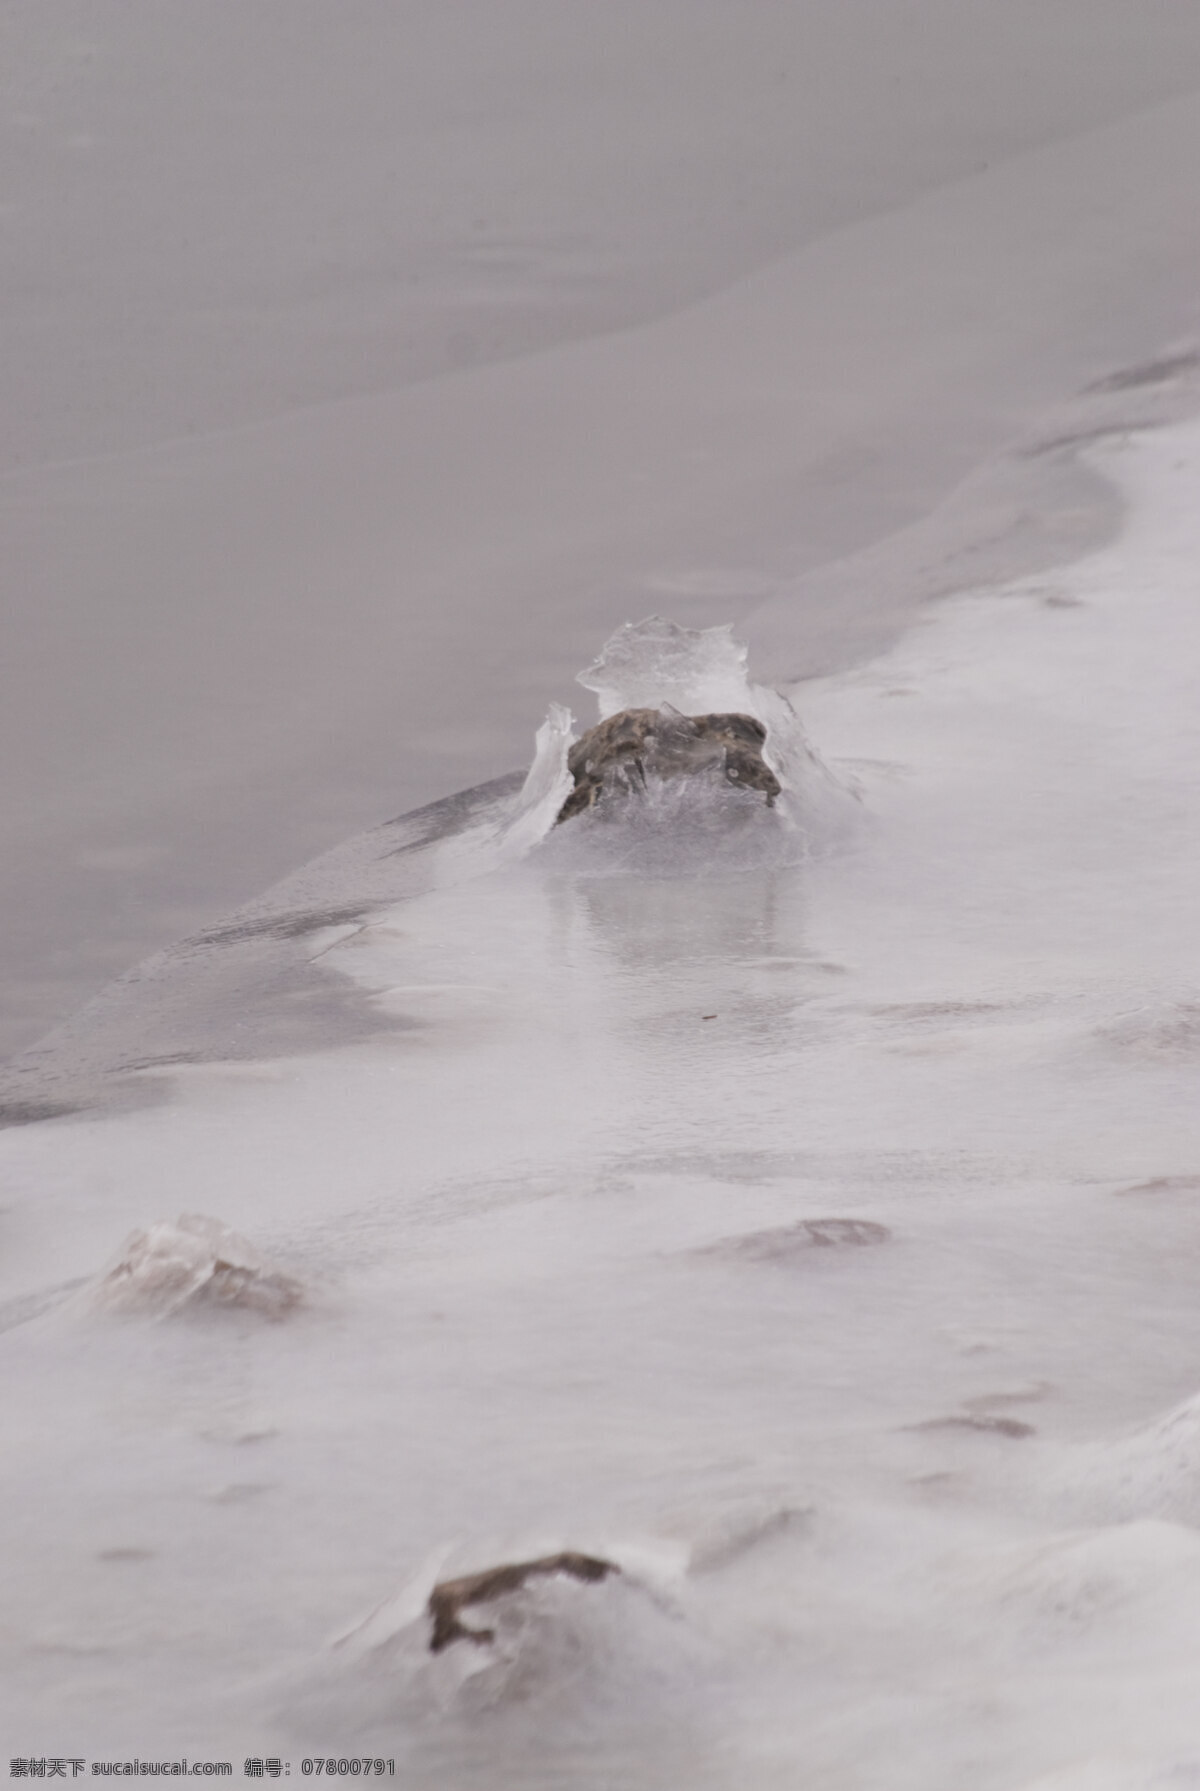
(795, 1208)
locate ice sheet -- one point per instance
(332, 466)
(907, 1501)
(212, 218)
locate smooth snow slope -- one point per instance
(281, 250)
(905, 1501)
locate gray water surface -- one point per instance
(366, 365)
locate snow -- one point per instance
(912, 1505)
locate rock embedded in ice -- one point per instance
(783, 1242)
(571, 1648)
(992, 1423)
(619, 755)
(450, 1598)
(690, 688)
(194, 1264)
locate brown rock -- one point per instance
(618, 755)
(448, 1600)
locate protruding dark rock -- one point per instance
(618, 755)
(448, 1600)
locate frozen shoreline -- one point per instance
(226, 654)
(907, 1511)
(1023, 513)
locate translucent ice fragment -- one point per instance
(649, 664)
(197, 1262)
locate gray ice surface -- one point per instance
(366, 364)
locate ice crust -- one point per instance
(810, 1232)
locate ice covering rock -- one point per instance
(195, 1263)
(783, 1242)
(646, 665)
(699, 676)
(562, 1651)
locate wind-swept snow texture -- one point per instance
(794, 1209)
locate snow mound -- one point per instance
(563, 1656)
(1153, 1472)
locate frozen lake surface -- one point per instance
(794, 1208)
(366, 365)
